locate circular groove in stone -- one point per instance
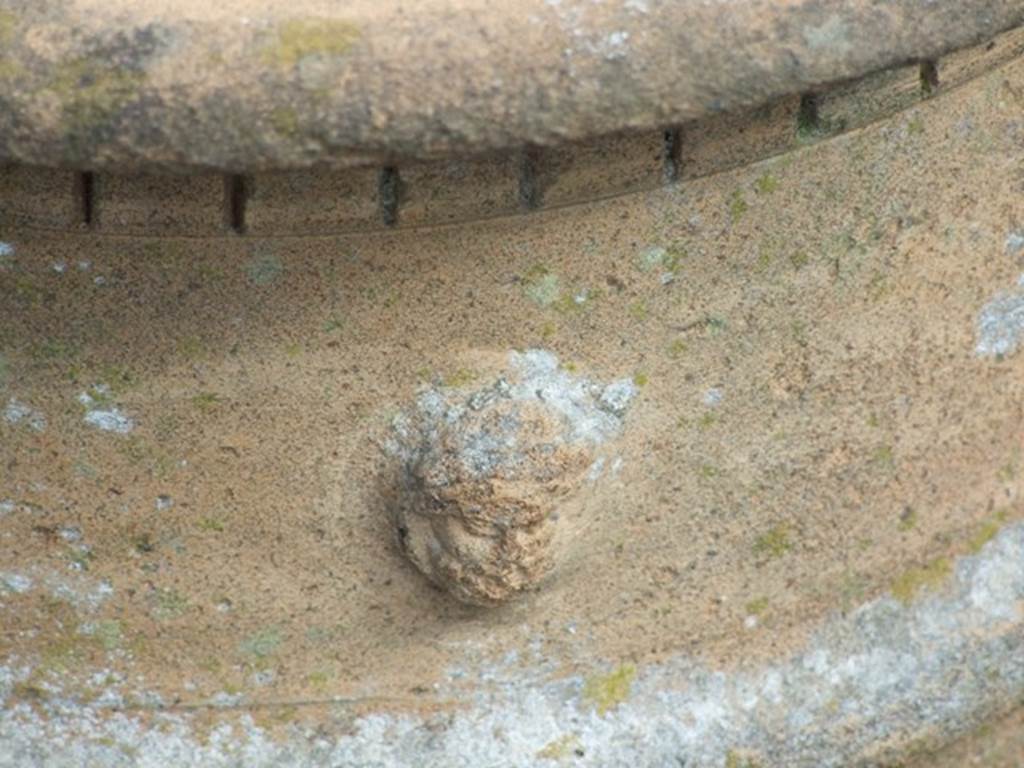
(345, 201)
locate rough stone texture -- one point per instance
(40, 197)
(124, 204)
(289, 202)
(816, 517)
(485, 475)
(998, 743)
(870, 689)
(240, 86)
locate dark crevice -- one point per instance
(929, 77)
(530, 192)
(236, 194)
(389, 192)
(808, 121)
(85, 196)
(672, 153)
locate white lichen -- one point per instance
(109, 420)
(652, 256)
(936, 666)
(616, 397)
(1000, 325)
(16, 412)
(18, 583)
(833, 34)
(712, 397)
(78, 590)
(100, 413)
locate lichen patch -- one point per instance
(1000, 325)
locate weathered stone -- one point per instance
(484, 476)
(102, 85)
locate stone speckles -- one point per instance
(484, 477)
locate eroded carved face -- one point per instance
(484, 476)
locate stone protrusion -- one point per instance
(485, 476)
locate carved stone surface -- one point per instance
(803, 545)
(242, 86)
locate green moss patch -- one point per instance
(913, 581)
(775, 542)
(736, 758)
(737, 206)
(542, 286)
(757, 606)
(167, 604)
(8, 23)
(606, 692)
(299, 38)
(262, 643)
(986, 531)
(284, 121)
(560, 748)
(766, 184)
(206, 401)
(91, 91)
